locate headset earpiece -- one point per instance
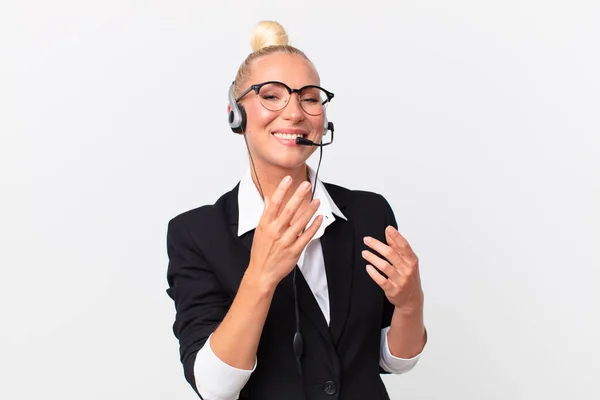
(237, 114)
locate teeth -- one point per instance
(287, 136)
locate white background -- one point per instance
(477, 120)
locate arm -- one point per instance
(389, 363)
(236, 339)
(405, 336)
(397, 354)
(202, 311)
(200, 305)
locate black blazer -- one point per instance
(341, 361)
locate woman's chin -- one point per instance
(289, 162)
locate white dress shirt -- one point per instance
(216, 380)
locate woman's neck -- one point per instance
(271, 178)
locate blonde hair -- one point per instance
(268, 37)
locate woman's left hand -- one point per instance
(401, 265)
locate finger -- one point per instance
(386, 251)
(292, 206)
(308, 234)
(399, 243)
(390, 271)
(410, 265)
(295, 230)
(299, 212)
(379, 279)
(273, 205)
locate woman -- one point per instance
(274, 285)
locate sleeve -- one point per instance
(392, 364)
(212, 372)
(200, 301)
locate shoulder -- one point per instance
(207, 215)
(355, 198)
(362, 206)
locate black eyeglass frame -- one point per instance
(258, 86)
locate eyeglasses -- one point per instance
(274, 96)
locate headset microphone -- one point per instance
(307, 142)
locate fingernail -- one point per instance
(287, 179)
(367, 240)
(316, 202)
(304, 185)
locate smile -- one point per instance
(288, 136)
(288, 139)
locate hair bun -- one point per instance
(268, 33)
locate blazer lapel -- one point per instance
(338, 252)
(239, 248)
(338, 245)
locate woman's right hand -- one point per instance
(280, 238)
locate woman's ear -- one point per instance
(228, 108)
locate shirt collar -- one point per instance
(250, 204)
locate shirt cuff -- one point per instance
(391, 363)
(216, 380)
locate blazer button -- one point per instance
(330, 388)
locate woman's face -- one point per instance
(266, 130)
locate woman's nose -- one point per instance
(293, 110)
